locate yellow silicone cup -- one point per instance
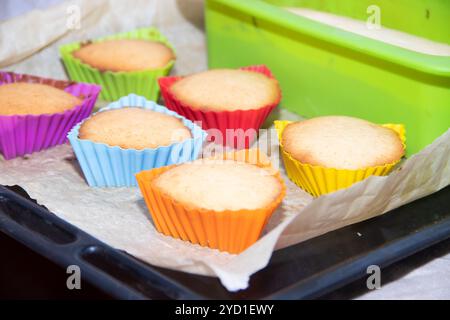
(318, 180)
(118, 84)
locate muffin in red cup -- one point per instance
(231, 104)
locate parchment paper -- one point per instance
(119, 216)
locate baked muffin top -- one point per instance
(341, 142)
(219, 185)
(125, 55)
(134, 128)
(226, 90)
(21, 98)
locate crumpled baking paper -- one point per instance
(119, 217)
(15, 44)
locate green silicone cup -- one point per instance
(118, 84)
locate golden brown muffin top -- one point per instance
(220, 185)
(134, 128)
(125, 55)
(226, 89)
(21, 98)
(341, 142)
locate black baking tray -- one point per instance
(310, 269)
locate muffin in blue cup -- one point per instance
(131, 135)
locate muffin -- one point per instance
(131, 135)
(328, 153)
(37, 113)
(222, 204)
(125, 55)
(234, 101)
(342, 143)
(134, 128)
(226, 90)
(219, 185)
(23, 98)
(124, 63)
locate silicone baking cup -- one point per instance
(318, 180)
(25, 134)
(231, 231)
(113, 166)
(237, 121)
(118, 84)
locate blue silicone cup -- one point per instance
(113, 166)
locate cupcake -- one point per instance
(36, 113)
(23, 98)
(134, 128)
(222, 204)
(231, 103)
(129, 136)
(123, 63)
(324, 154)
(125, 55)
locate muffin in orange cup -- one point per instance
(231, 104)
(219, 203)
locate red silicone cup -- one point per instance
(242, 125)
(25, 134)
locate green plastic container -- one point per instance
(323, 70)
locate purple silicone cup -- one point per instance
(25, 134)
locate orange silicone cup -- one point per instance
(231, 231)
